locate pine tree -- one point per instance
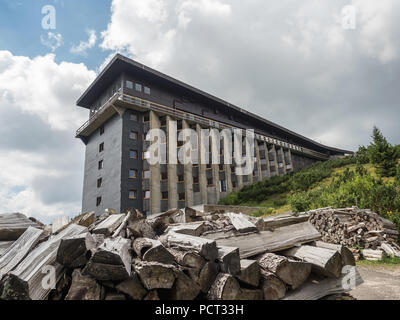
(383, 155)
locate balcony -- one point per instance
(120, 101)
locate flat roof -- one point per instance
(120, 64)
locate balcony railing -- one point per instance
(148, 105)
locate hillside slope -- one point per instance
(337, 183)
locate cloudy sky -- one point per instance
(300, 63)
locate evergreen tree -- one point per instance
(383, 155)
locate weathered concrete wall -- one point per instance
(111, 172)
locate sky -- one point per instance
(326, 69)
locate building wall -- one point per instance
(110, 174)
(300, 161)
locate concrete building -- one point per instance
(128, 99)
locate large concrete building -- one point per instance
(127, 99)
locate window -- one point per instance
(208, 166)
(234, 184)
(181, 178)
(101, 164)
(164, 176)
(138, 87)
(146, 118)
(133, 173)
(102, 130)
(98, 201)
(133, 154)
(133, 135)
(147, 90)
(132, 194)
(133, 116)
(196, 180)
(146, 194)
(210, 181)
(181, 196)
(222, 185)
(129, 84)
(146, 174)
(101, 147)
(99, 183)
(221, 167)
(164, 195)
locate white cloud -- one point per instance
(84, 46)
(41, 162)
(53, 40)
(289, 61)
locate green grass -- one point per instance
(392, 261)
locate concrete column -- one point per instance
(227, 166)
(238, 145)
(172, 161)
(202, 168)
(215, 167)
(267, 158)
(284, 161)
(290, 159)
(275, 159)
(258, 162)
(155, 172)
(188, 173)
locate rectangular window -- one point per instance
(133, 135)
(132, 194)
(208, 166)
(138, 87)
(164, 176)
(147, 90)
(164, 195)
(101, 147)
(133, 173)
(146, 174)
(101, 164)
(98, 201)
(222, 185)
(181, 196)
(210, 182)
(129, 84)
(221, 167)
(133, 116)
(133, 154)
(146, 118)
(181, 178)
(99, 183)
(102, 130)
(196, 180)
(146, 194)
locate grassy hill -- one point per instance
(337, 183)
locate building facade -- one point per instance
(128, 99)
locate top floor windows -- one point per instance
(138, 87)
(129, 84)
(102, 130)
(147, 90)
(133, 116)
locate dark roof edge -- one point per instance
(202, 93)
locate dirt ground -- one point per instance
(380, 283)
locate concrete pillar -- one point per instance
(283, 160)
(202, 168)
(237, 146)
(258, 161)
(227, 166)
(290, 159)
(172, 163)
(267, 158)
(188, 173)
(215, 167)
(275, 159)
(155, 172)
